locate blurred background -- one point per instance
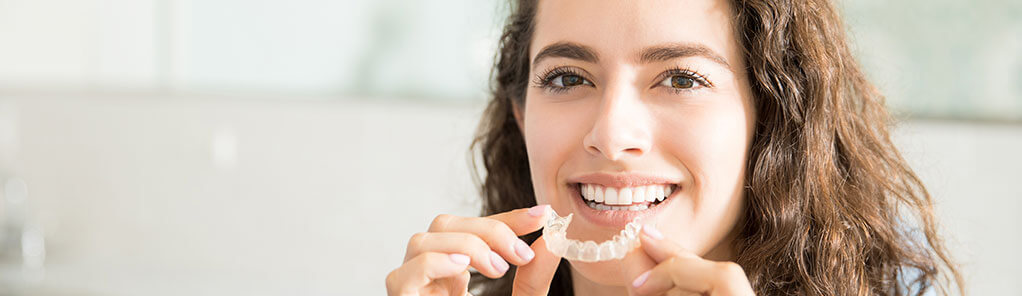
(228, 147)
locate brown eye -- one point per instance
(568, 80)
(682, 82)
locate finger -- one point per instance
(459, 283)
(660, 249)
(683, 269)
(534, 278)
(500, 231)
(635, 263)
(524, 221)
(520, 221)
(424, 269)
(694, 275)
(488, 262)
(660, 279)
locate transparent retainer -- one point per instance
(555, 234)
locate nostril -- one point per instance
(614, 148)
(625, 152)
(633, 151)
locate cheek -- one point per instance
(709, 136)
(553, 134)
(711, 142)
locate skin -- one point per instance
(620, 117)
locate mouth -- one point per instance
(611, 201)
(633, 198)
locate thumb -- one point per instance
(660, 249)
(523, 221)
(534, 278)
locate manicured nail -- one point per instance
(498, 262)
(460, 259)
(641, 279)
(523, 250)
(538, 210)
(651, 231)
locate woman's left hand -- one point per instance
(679, 271)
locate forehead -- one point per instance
(621, 28)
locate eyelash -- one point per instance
(687, 73)
(545, 80)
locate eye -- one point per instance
(680, 82)
(683, 80)
(568, 80)
(562, 79)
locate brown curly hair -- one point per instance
(832, 207)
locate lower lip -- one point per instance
(613, 219)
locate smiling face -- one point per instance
(631, 102)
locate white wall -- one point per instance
(441, 49)
(186, 196)
(973, 172)
(148, 195)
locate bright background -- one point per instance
(171, 147)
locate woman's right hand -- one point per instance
(436, 262)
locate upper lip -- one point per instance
(622, 179)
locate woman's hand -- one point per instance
(681, 272)
(436, 262)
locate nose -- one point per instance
(622, 126)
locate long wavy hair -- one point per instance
(832, 207)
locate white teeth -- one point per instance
(603, 207)
(610, 196)
(607, 197)
(639, 195)
(624, 197)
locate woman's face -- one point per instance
(629, 97)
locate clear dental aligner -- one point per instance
(555, 234)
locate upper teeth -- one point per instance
(625, 195)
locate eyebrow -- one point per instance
(670, 51)
(658, 53)
(569, 50)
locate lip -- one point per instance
(614, 219)
(622, 180)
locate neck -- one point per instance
(724, 251)
(583, 286)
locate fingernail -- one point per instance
(641, 279)
(538, 210)
(498, 262)
(460, 259)
(651, 231)
(523, 250)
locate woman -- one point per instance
(751, 117)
